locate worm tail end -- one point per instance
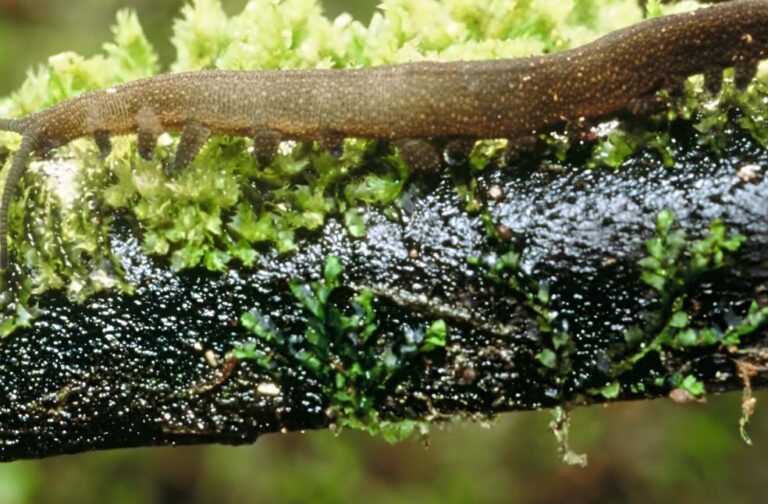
(17, 169)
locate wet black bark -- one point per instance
(150, 368)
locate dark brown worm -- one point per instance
(410, 104)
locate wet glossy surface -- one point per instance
(129, 370)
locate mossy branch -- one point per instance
(234, 300)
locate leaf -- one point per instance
(656, 250)
(611, 391)
(693, 386)
(656, 281)
(306, 297)
(679, 320)
(256, 323)
(332, 271)
(354, 223)
(734, 243)
(435, 337)
(548, 358)
(310, 361)
(664, 221)
(216, 260)
(650, 263)
(686, 338)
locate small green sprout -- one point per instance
(435, 337)
(673, 268)
(340, 346)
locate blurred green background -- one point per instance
(643, 452)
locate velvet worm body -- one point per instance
(410, 104)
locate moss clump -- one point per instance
(502, 267)
(225, 208)
(61, 205)
(342, 349)
(674, 267)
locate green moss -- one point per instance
(435, 337)
(609, 391)
(502, 267)
(341, 347)
(674, 267)
(225, 208)
(691, 385)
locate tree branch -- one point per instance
(541, 298)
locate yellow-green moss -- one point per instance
(224, 207)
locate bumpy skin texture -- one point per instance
(409, 103)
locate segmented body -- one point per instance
(411, 104)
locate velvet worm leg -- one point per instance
(333, 143)
(193, 138)
(419, 155)
(457, 151)
(265, 144)
(713, 80)
(18, 166)
(745, 72)
(149, 128)
(103, 142)
(517, 146)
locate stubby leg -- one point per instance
(193, 138)
(148, 131)
(265, 144)
(746, 70)
(419, 154)
(518, 146)
(333, 143)
(457, 151)
(713, 80)
(101, 137)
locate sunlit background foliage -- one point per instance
(644, 452)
